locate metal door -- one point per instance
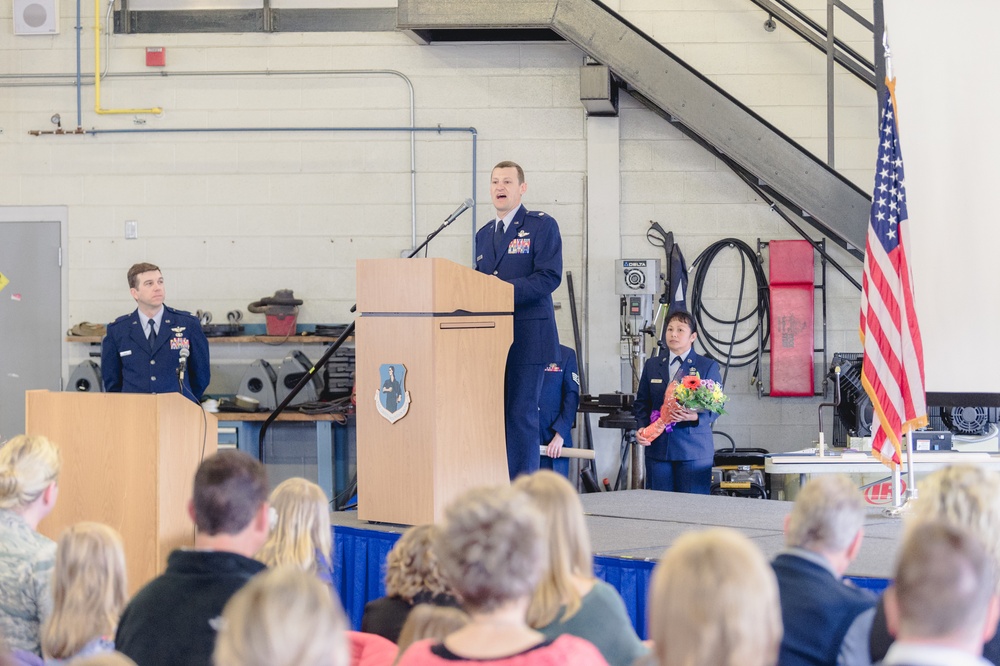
(30, 316)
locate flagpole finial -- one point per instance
(887, 54)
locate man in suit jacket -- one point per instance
(557, 409)
(943, 606)
(142, 351)
(680, 460)
(523, 248)
(826, 620)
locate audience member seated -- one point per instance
(89, 590)
(819, 609)
(492, 551)
(300, 536)
(173, 620)
(29, 475)
(371, 649)
(964, 496)
(943, 605)
(569, 599)
(412, 577)
(283, 617)
(430, 621)
(714, 602)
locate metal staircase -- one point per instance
(765, 157)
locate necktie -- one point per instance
(498, 238)
(675, 366)
(152, 333)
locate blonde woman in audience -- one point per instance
(300, 536)
(428, 621)
(89, 591)
(963, 496)
(282, 617)
(492, 551)
(29, 473)
(413, 576)
(569, 599)
(714, 602)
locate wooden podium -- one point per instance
(446, 330)
(129, 461)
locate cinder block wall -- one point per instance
(232, 216)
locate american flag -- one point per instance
(893, 369)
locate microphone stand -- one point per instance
(307, 377)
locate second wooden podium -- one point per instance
(128, 461)
(432, 342)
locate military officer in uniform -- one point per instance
(681, 460)
(557, 409)
(141, 352)
(523, 248)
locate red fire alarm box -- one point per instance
(156, 56)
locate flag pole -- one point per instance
(911, 472)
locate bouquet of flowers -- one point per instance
(692, 392)
(701, 395)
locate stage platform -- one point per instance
(629, 531)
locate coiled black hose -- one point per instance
(724, 350)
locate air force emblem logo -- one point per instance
(392, 399)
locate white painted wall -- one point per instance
(233, 216)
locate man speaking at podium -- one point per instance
(523, 248)
(143, 352)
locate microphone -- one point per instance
(184, 353)
(466, 205)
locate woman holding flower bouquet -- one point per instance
(679, 397)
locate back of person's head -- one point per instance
(714, 602)
(89, 589)
(965, 496)
(568, 545)
(28, 465)
(945, 584)
(229, 489)
(827, 515)
(302, 529)
(430, 621)
(491, 547)
(282, 617)
(412, 565)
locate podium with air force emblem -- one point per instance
(432, 339)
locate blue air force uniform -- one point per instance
(530, 258)
(681, 460)
(128, 365)
(557, 406)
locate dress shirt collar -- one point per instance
(915, 654)
(509, 217)
(144, 320)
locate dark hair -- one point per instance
(684, 317)
(229, 488)
(136, 270)
(507, 164)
